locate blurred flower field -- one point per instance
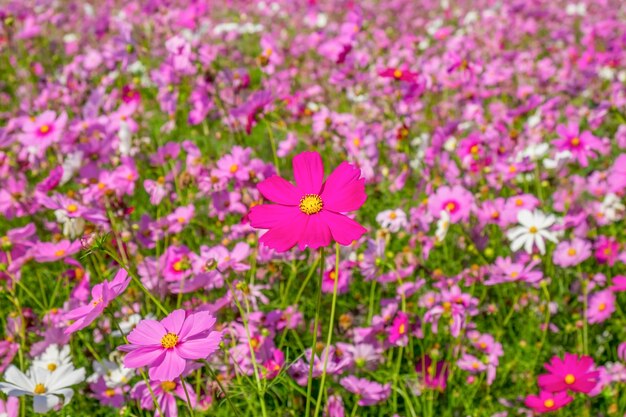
(311, 208)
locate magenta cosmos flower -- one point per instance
(311, 212)
(166, 346)
(547, 401)
(569, 373)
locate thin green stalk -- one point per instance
(189, 406)
(330, 331)
(219, 384)
(309, 385)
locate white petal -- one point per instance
(16, 377)
(516, 232)
(528, 245)
(525, 217)
(540, 244)
(44, 403)
(549, 235)
(519, 242)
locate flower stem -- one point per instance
(314, 345)
(189, 406)
(330, 330)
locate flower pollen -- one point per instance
(570, 379)
(39, 389)
(169, 341)
(311, 204)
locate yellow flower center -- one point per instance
(519, 202)
(570, 379)
(96, 301)
(575, 141)
(514, 274)
(60, 252)
(475, 365)
(52, 367)
(451, 206)
(109, 392)
(44, 129)
(401, 328)
(532, 229)
(483, 345)
(397, 73)
(311, 204)
(332, 275)
(571, 251)
(549, 403)
(234, 168)
(474, 149)
(169, 340)
(356, 141)
(393, 215)
(168, 385)
(602, 307)
(39, 389)
(447, 306)
(72, 208)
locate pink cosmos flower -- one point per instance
(548, 401)
(10, 407)
(369, 392)
(581, 145)
(572, 253)
(311, 212)
(399, 330)
(109, 396)
(43, 130)
(619, 283)
(51, 252)
(606, 250)
(165, 393)
(101, 295)
(601, 306)
(166, 346)
(457, 201)
(570, 373)
(434, 375)
(398, 74)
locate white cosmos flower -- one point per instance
(393, 220)
(534, 228)
(114, 374)
(54, 358)
(443, 224)
(612, 207)
(44, 386)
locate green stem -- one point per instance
(189, 406)
(330, 331)
(309, 385)
(219, 384)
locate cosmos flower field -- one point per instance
(310, 208)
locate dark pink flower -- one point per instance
(311, 212)
(571, 373)
(547, 401)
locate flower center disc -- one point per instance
(168, 385)
(570, 379)
(169, 340)
(311, 204)
(549, 403)
(39, 389)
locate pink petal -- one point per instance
(316, 234)
(200, 348)
(148, 332)
(197, 323)
(170, 368)
(267, 216)
(144, 356)
(343, 229)
(285, 236)
(280, 191)
(174, 321)
(308, 171)
(343, 190)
